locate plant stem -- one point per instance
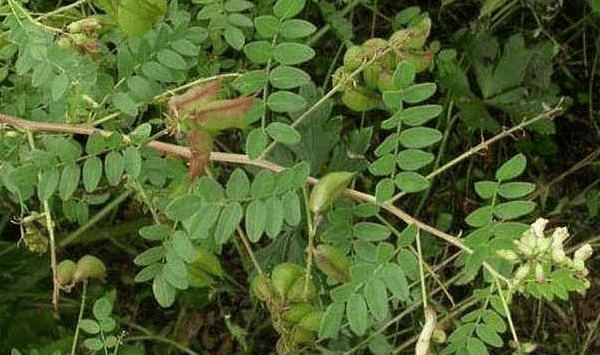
(80, 317)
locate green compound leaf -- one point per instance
(404, 75)
(256, 142)
(494, 321)
(512, 168)
(383, 166)
(156, 71)
(238, 185)
(288, 8)
(114, 165)
(266, 26)
(486, 189)
(419, 92)
(289, 53)
(259, 52)
(60, 84)
(409, 181)
(163, 291)
(234, 37)
(48, 184)
(480, 217)
(476, 347)
(263, 184)
(183, 207)
(369, 231)
(419, 137)
(332, 320)
(414, 159)
(356, 311)
(295, 28)
(148, 273)
(171, 59)
(69, 180)
(155, 232)
(285, 101)
(102, 309)
(237, 5)
(384, 190)
(395, 279)
(124, 103)
(175, 271)
(488, 335)
(229, 219)
(418, 115)
(512, 190)
(283, 133)
(240, 20)
(133, 161)
(200, 223)
(94, 344)
(291, 208)
(274, 208)
(185, 47)
(393, 100)
(250, 82)
(514, 209)
(286, 77)
(375, 293)
(256, 220)
(89, 326)
(150, 256)
(388, 145)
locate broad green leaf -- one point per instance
(414, 159)
(419, 92)
(356, 311)
(375, 293)
(420, 137)
(237, 5)
(263, 184)
(124, 103)
(332, 320)
(148, 273)
(274, 216)
(266, 26)
(133, 161)
(289, 53)
(48, 184)
(95, 144)
(480, 217)
(285, 101)
(408, 236)
(476, 347)
(489, 336)
(69, 180)
(163, 291)
(409, 263)
(395, 280)
(383, 166)
(512, 190)
(369, 231)
(108, 324)
(259, 52)
(200, 223)
(185, 47)
(114, 165)
(510, 230)
(494, 321)
(240, 20)
(102, 308)
(156, 71)
(512, 168)
(67, 149)
(256, 220)
(409, 181)
(388, 145)
(183, 247)
(60, 84)
(514, 209)
(250, 82)
(229, 219)
(256, 142)
(155, 232)
(183, 207)
(404, 75)
(238, 185)
(418, 115)
(89, 326)
(234, 37)
(384, 190)
(393, 100)
(486, 189)
(209, 189)
(150, 256)
(171, 59)
(297, 29)
(175, 270)
(283, 133)
(288, 8)
(365, 210)
(291, 208)
(286, 77)
(140, 134)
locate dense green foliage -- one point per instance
(282, 176)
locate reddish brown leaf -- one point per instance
(200, 146)
(225, 114)
(204, 93)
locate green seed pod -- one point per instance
(284, 276)
(353, 58)
(371, 75)
(89, 267)
(90, 24)
(311, 321)
(65, 272)
(422, 60)
(420, 32)
(303, 336)
(332, 262)
(262, 287)
(328, 189)
(360, 100)
(300, 291)
(295, 312)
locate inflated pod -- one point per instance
(342, 77)
(311, 321)
(89, 267)
(262, 287)
(374, 46)
(353, 58)
(66, 272)
(295, 312)
(303, 290)
(284, 276)
(361, 100)
(327, 190)
(332, 262)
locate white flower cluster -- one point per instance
(541, 252)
